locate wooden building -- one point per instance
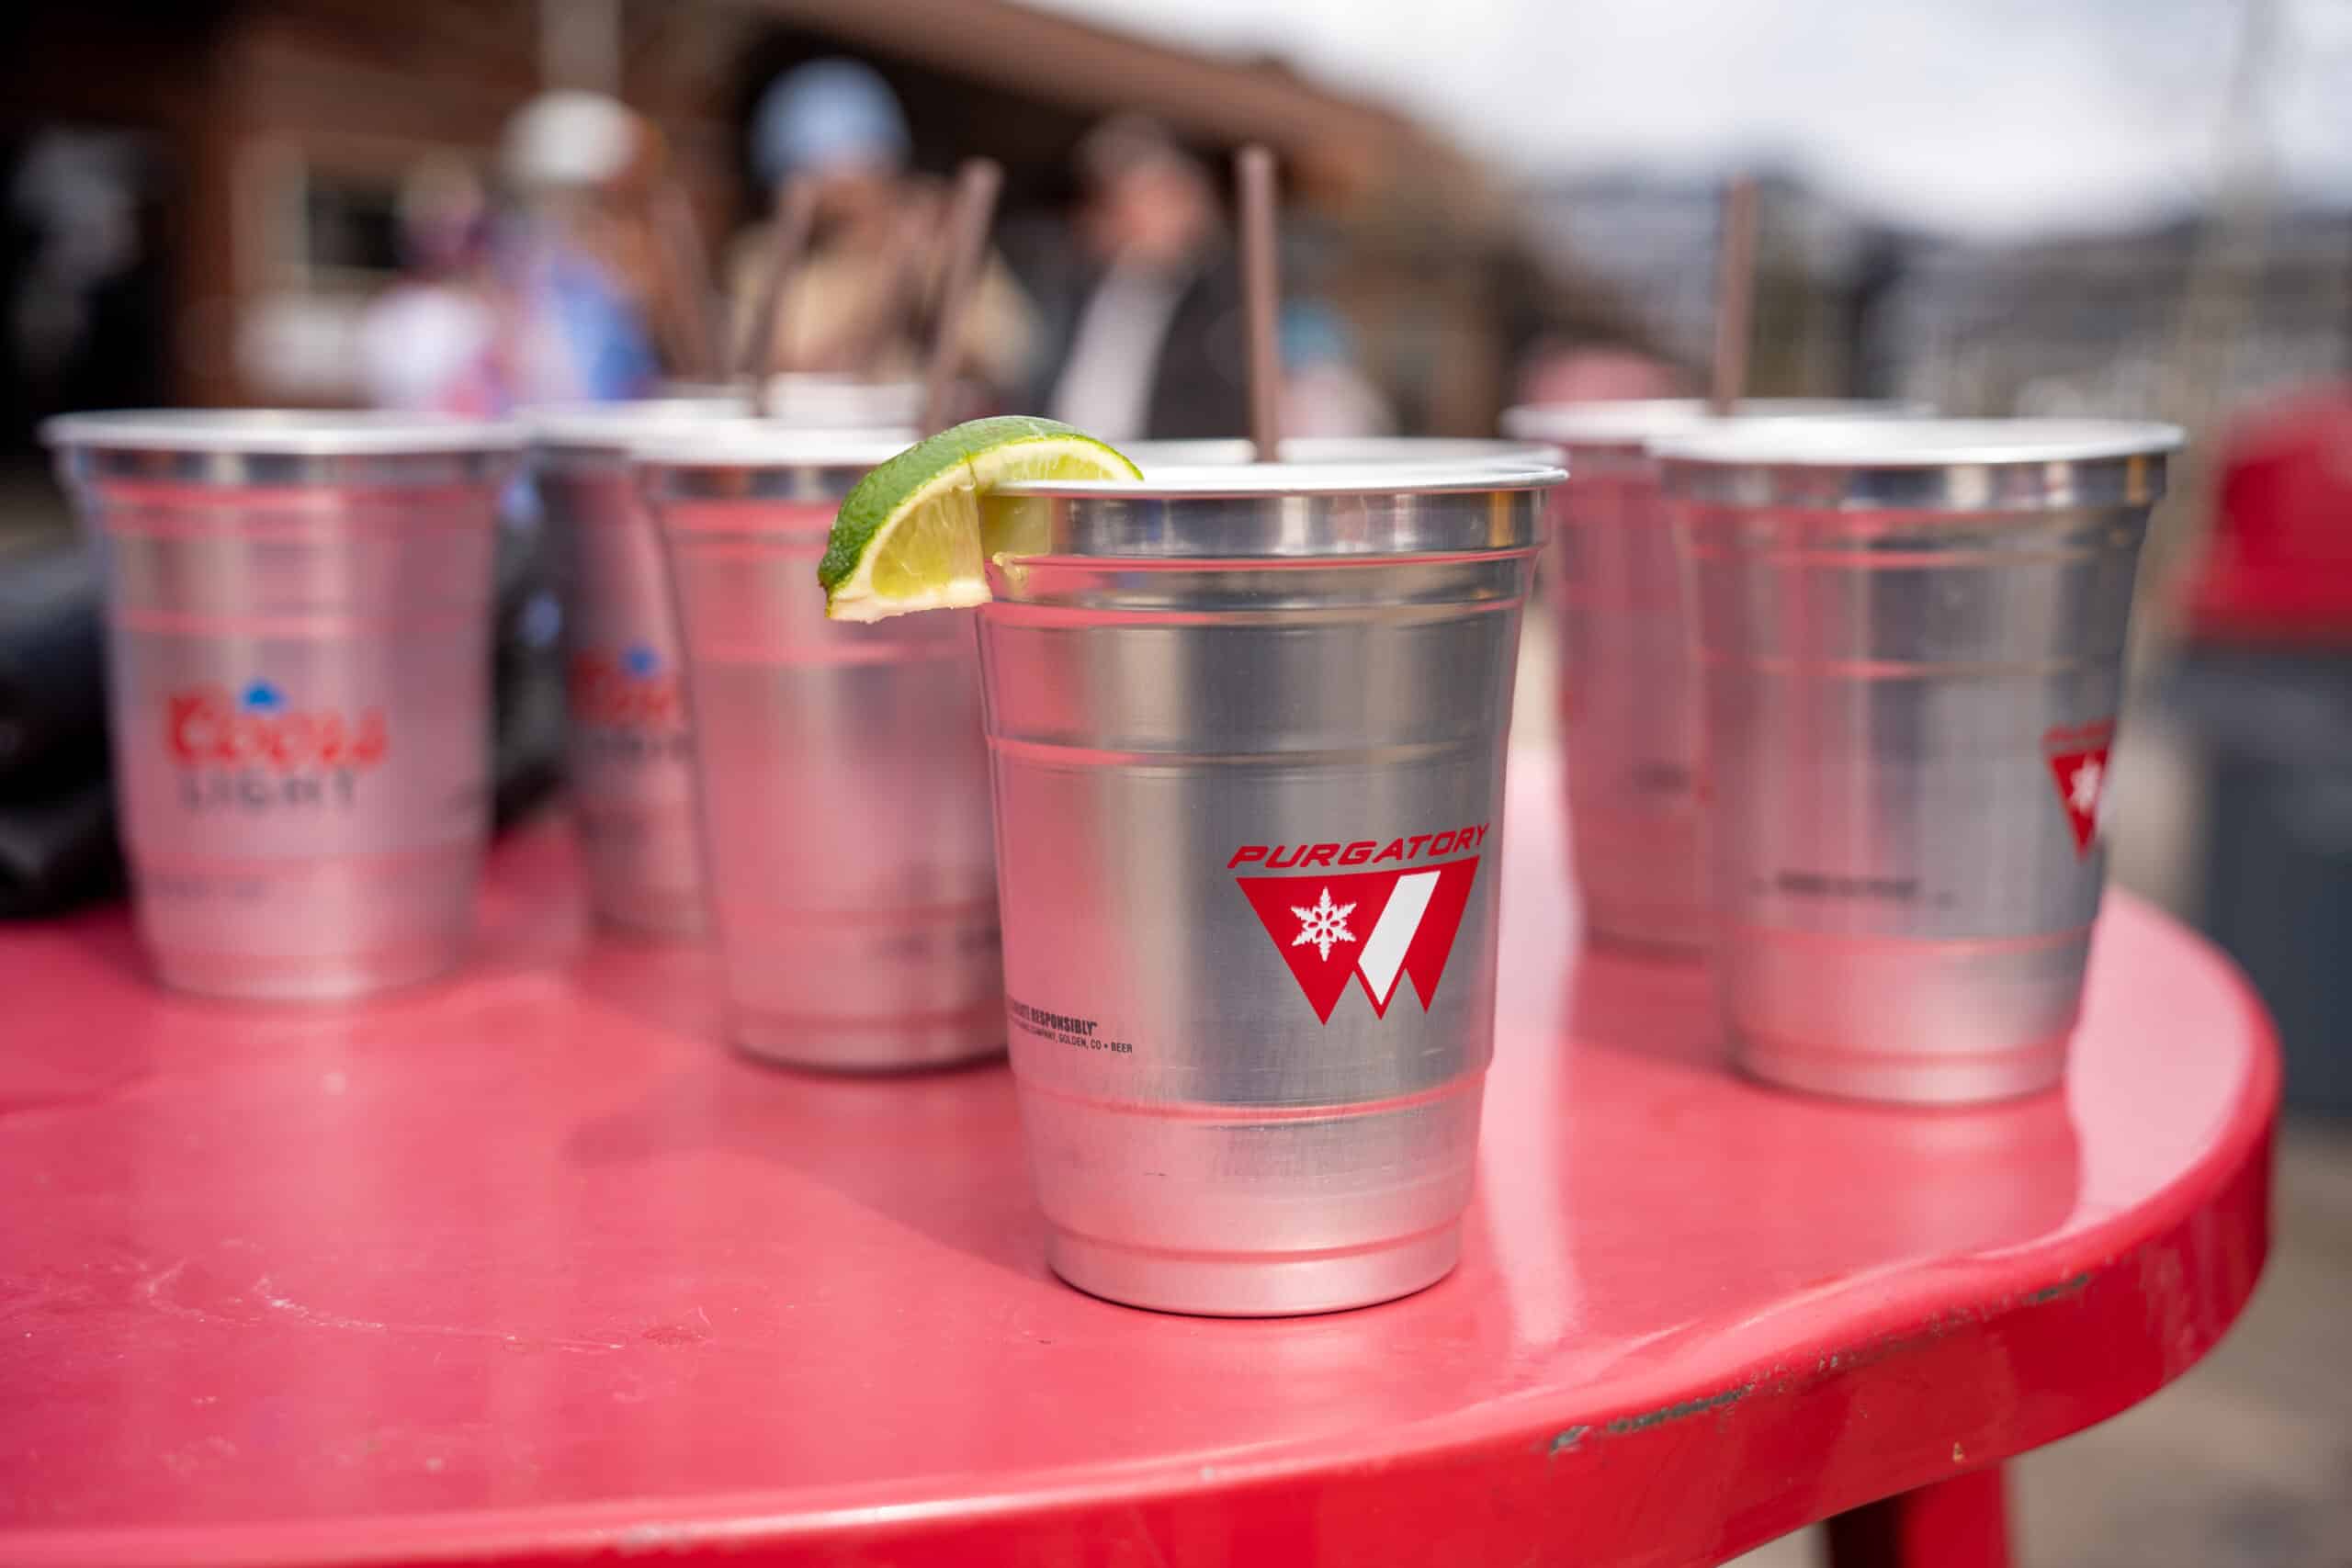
(277, 132)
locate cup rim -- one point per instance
(1638, 423)
(1915, 443)
(1430, 476)
(752, 441)
(300, 432)
(616, 426)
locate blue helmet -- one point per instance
(825, 115)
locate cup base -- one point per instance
(2011, 1074)
(1256, 1284)
(1639, 881)
(324, 979)
(868, 1046)
(644, 872)
(1656, 931)
(1910, 1021)
(678, 918)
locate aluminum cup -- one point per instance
(1247, 727)
(843, 778)
(1627, 695)
(298, 613)
(626, 747)
(1910, 636)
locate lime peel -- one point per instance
(910, 536)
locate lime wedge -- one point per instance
(910, 536)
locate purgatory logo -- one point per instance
(2078, 766)
(1380, 926)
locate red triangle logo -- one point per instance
(2078, 768)
(1432, 942)
(1329, 928)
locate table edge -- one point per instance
(2208, 1230)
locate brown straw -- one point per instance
(905, 259)
(678, 244)
(1735, 295)
(1260, 297)
(796, 214)
(977, 183)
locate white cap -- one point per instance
(568, 138)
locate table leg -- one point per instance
(1960, 1523)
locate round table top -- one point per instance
(528, 1267)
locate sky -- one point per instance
(1991, 118)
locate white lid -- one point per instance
(1917, 443)
(840, 401)
(746, 442)
(1642, 422)
(623, 424)
(1417, 450)
(1399, 475)
(306, 433)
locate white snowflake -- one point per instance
(1324, 924)
(2083, 788)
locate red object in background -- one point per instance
(2278, 566)
(527, 1269)
(1960, 1523)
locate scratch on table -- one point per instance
(2052, 1292)
(1679, 1411)
(19, 1297)
(1570, 1440)
(266, 1292)
(153, 1286)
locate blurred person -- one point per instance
(574, 301)
(1151, 342)
(858, 299)
(431, 340)
(84, 307)
(645, 229)
(1323, 392)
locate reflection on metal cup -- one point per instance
(841, 769)
(1628, 700)
(1247, 729)
(1911, 639)
(628, 750)
(299, 665)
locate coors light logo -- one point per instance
(255, 750)
(627, 705)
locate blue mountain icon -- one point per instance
(640, 661)
(263, 697)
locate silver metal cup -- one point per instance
(1628, 703)
(628, 750)
(1247, 729)
(842, 777)
(1911, 636)
(298, 611)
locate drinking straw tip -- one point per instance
(977, 181)
(1735, 295)
(1260, 294)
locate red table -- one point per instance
(527, 1269)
